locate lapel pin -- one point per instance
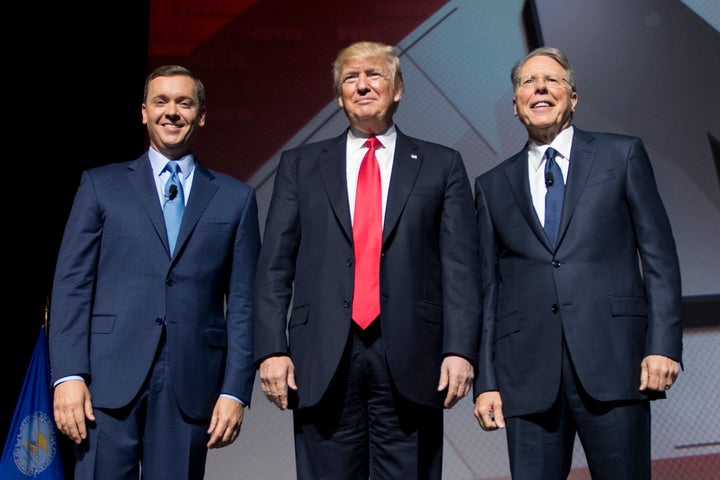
(413, 156)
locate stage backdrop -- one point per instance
(648, 67)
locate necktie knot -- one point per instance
(173, 187)
(550, 158)
(372, 143)
(173, 167)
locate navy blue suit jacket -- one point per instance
(612, 285)
(115, 286)
(429, 275)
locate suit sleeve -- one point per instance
(240, 371)
(276, 267)
(460, 268)
(74, 280)
(658, 255)
(486, 379)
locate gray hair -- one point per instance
(554, 53)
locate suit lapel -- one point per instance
(517, 175)
(332, 164)
(141, 180)
(203, 190)
(582, 157)
(406, 166)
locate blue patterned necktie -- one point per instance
(554, 196)
(174, 204)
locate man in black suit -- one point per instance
(368, 400)
(581, 332)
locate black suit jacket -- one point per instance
(429, 275)
(611, 286)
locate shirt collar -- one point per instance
(158, 162)
(562, 144)
(387, 138)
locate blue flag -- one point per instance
(31, 450)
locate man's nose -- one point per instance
(362, 82)
(171, 109)
(541, 84)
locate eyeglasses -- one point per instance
(531, 81)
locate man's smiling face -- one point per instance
(544, 101)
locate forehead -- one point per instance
(176, 85)
(541, 64)
(363, 64)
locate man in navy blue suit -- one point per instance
(580, 333)
(152, 347)
(368, 399)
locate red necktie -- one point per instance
(367, 238)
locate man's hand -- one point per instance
(225, 423)
(456, 374)
(658, 373)
(277, 374)
(71, 406)
(488, 411)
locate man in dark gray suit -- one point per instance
(580, 333)
(368, 400)
(161, 338)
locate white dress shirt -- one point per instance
(354, 155)
(536, 167)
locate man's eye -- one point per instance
(551, 81)
(350, 79)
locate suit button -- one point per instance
(555, 308)
(169, 282)
(346, 304)
(556, 264)
(158, 321)
(348, 263)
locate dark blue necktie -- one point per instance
(554, 196)
(174, 204)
